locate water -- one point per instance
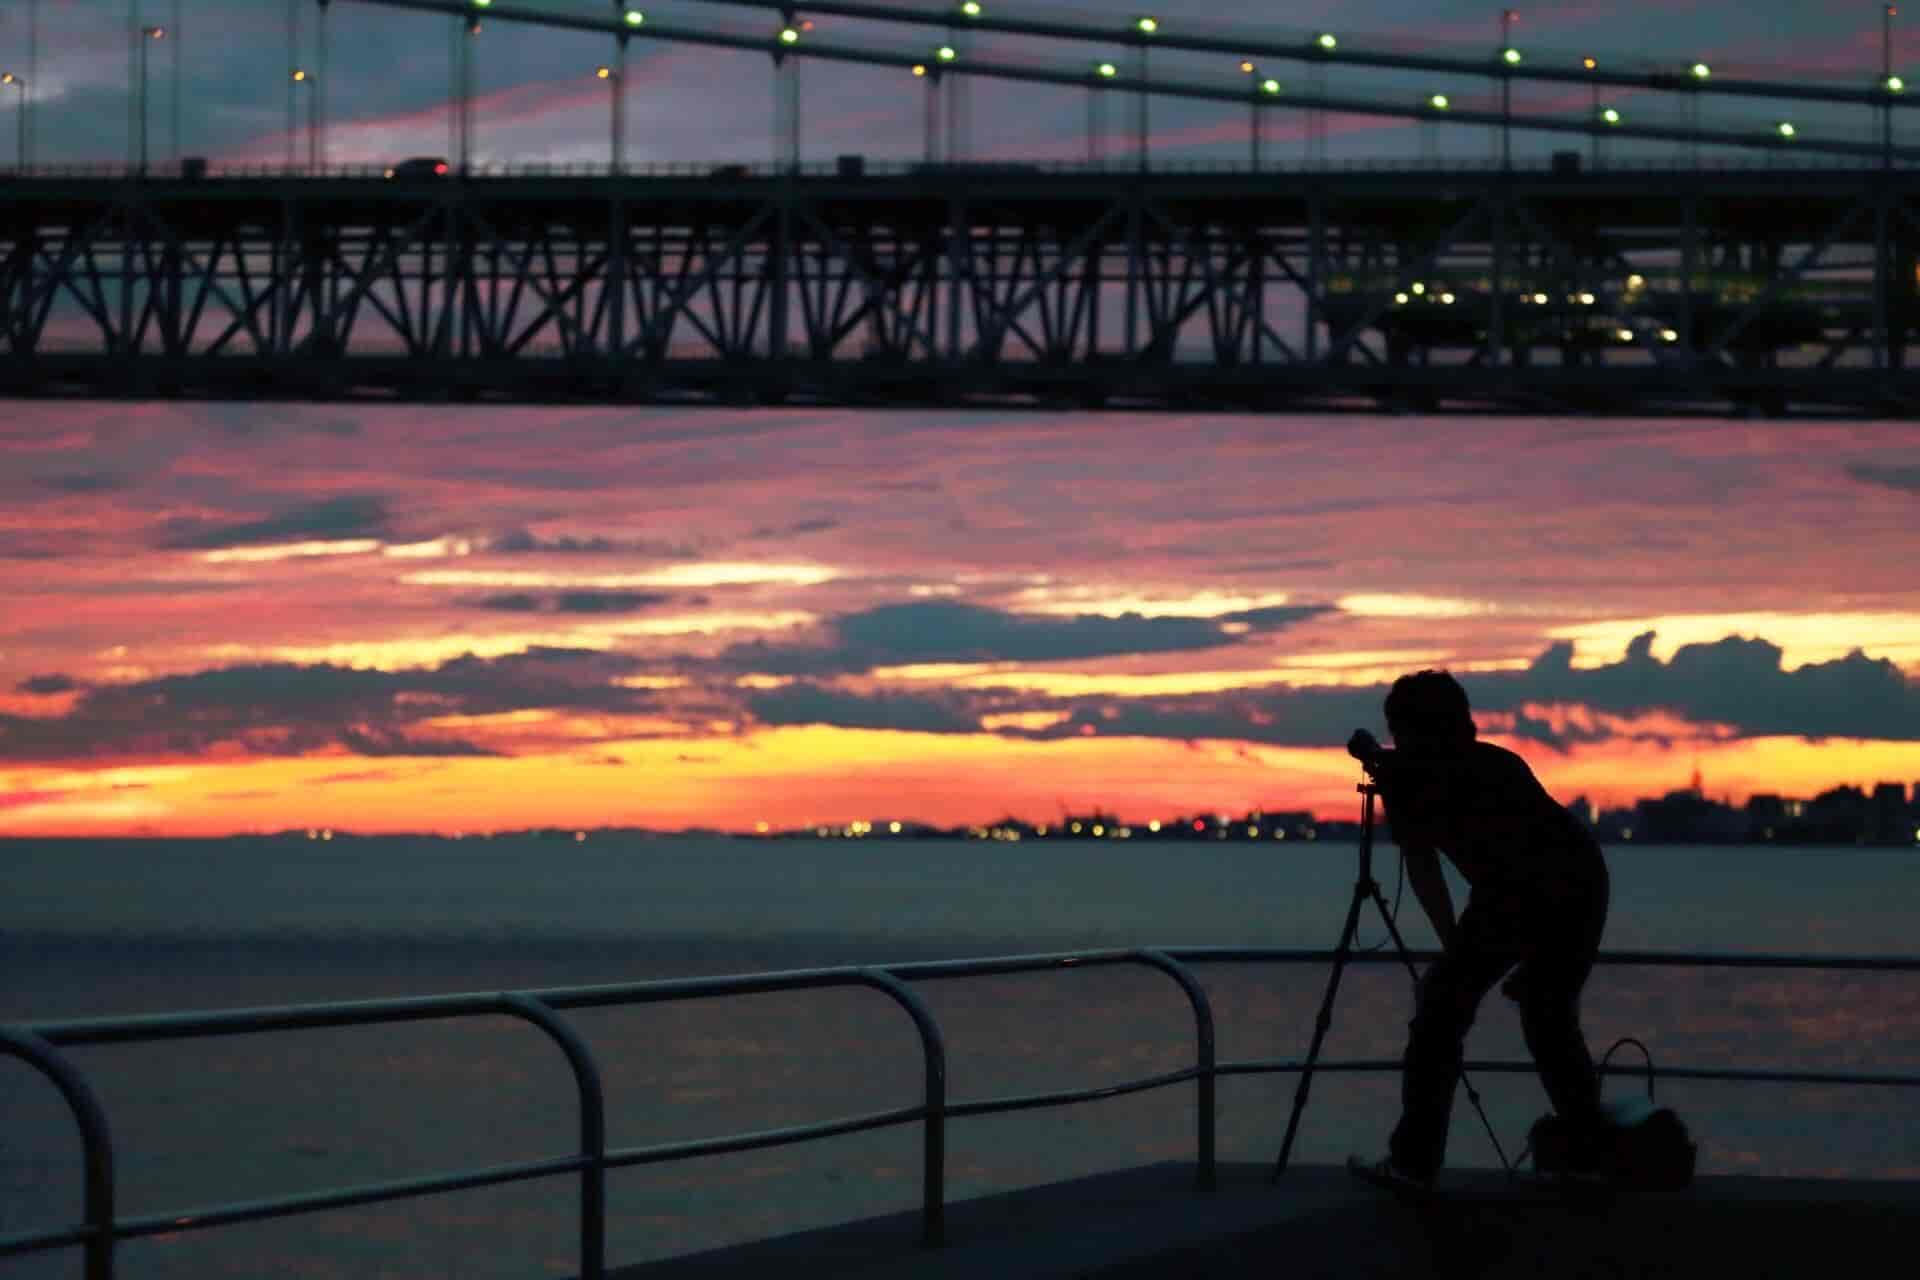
(105, 928)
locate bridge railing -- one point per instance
(871, 168)
(101, 1227)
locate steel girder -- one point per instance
(1764, 290)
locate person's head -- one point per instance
(1428, 710)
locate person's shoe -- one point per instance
(1383, 1172)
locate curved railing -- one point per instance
(101, 1228)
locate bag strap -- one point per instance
(1643, 1052)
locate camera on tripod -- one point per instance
(1366, 748)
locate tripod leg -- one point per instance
(1340, 952)
(1466, 1082)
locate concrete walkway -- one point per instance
(1151, 1222)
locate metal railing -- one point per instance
(1277, 165)
(101, 1228)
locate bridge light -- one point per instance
(1246, 67)
(1539, 299)
(1625, 335)
(1270, 86)
(1894, 84)
(298, 75)
(1327, 41)
(972, 8)
(1669, 335)
(1785, 129)
(605, 73)
(1589, 63)
(1418, 287)
(1106, 70)
(947, 53)
(789, 36)
(1446, 299)
(1400, 299)
(1439, 102)
(1701, 71)
(920, 68)
(1510, 56)
(482, 4)
(1610, 116)
(635, 17)
(1146, 26)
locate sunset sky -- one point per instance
(243, 617)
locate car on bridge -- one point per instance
(421, 167)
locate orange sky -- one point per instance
(231, 618)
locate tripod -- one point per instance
(1364, 888)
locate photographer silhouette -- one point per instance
(1536, 908)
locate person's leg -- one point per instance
(1444, 1008)
(1550, 1012)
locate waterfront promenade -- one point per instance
(1318, 1221)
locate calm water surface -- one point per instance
(98, 928)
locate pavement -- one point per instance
(1319, 1221)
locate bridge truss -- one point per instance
(1759, 291)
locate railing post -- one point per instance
(593, 1127)
(1204, 1055)
(933, 1195)
(96, 1145)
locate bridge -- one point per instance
(1764, 271)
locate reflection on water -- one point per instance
(205, 1121)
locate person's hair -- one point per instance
(1430, 703)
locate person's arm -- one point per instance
(1430, 887)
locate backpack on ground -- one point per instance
(1641, 1146)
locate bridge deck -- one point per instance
(1319, 1222)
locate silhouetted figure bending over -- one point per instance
(1537, 906)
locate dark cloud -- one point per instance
(511, 602)
(346, 517)
(945, 631)
(1734, 682)
(606, 601)
(17, 545)
(525, 542)
(84, 481)
(282, 709)
(807, 703)
(1906, 479)
(799, 527)
(572, 601)
(372, 741)
(47, 684)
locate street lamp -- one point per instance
(1096, 112)
(147, 36)
(1603, 118)
(1509, 58)
(1144, 28)
(1434, 104)
(1260, 89)
(617, 98)
(20, 116)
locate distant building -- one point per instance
(1889, 819)
(1617, 825)
(1687, 817)
(1836, 816)
(1767, 818)
(1582, 809)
